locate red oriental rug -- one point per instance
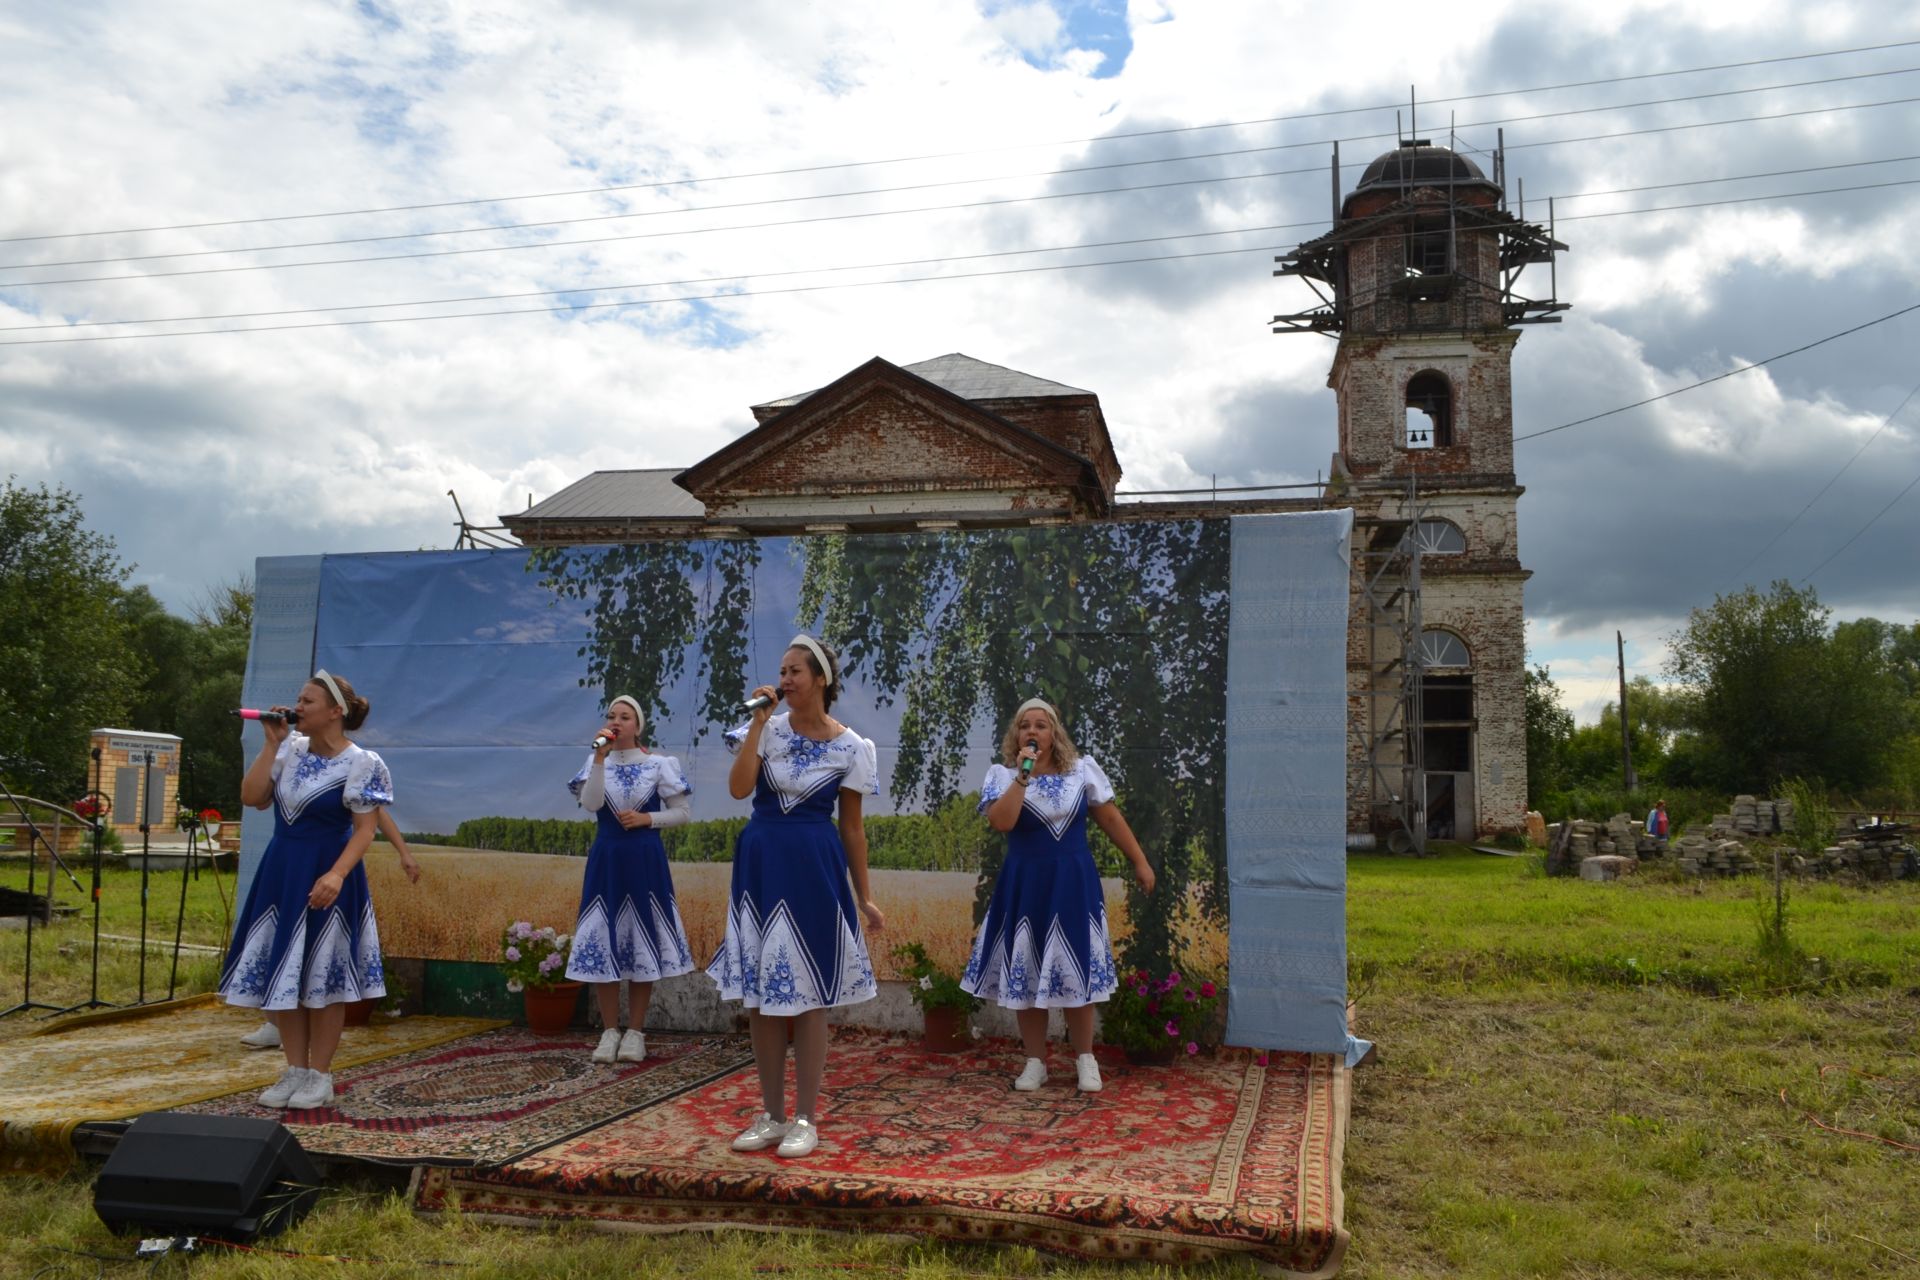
(492, 1098)
(1205, 1159)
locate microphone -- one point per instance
(602, 739)
(752, 705)
(266, 717)
(1026, 766)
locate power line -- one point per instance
(949, 155)
(926, 186)
(1874, 519)
(1719, 377)
(723, 295)
(916, 262)
(1832, 480)
(889, 213)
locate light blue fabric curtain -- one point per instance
(286, 608)
(1286, 784)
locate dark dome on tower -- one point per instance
(1421, 164)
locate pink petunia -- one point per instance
(1140, 988)
(1190, 996)
(1206, 989)
(1173, 1028)
(1192, 1047)
(513, 953)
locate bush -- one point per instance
(1813, 820)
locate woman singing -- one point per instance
(1043, 944)
(793, 947)
(629, 927)
(307, 945)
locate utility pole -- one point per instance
(1626, 743)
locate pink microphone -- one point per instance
(267, 717)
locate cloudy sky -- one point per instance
(695, 206)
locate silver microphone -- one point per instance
(600, 740)
(752, 705)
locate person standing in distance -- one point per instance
(629, 926)
(1043, 943)
(794, 946)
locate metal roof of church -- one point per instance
(968, 378)
(621, 495)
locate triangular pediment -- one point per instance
(882, 428)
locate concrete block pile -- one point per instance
(1709, 855)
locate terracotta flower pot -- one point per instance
(550, 1009)
(946, 1030)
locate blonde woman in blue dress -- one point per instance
(1043, 944)
(794, 946)
(306, 945)
(629, 926)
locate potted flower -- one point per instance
(93, 806)
(535, 962)
(1159, 1018)
(210, 822)
(944, 1005)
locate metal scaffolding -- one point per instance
(1392, 732)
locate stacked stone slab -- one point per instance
(1711, 856)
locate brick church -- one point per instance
(1416, 279)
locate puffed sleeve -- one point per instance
(292, 747)
(863, 773)
(672, 779)
(1099, 789)
(369, 785)
(734, 737)
(994, 785)
(590, 784)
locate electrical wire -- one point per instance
(735, 294)
(921, 186)
(876, 213)
(949, 155)
(894, 264)
(1871, 521)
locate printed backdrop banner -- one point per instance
(488, 672)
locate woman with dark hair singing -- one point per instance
(794, 946)
(307, 946)
(1043, 944)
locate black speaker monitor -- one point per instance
(214, 1175)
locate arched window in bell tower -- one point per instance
(1429, 411)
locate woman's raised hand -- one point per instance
(277, 731)
(609, 738)
(772, 695)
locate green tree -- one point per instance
(1549, 726)
(1778, 694)
(68, 664)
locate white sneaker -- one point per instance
(277, 1093)
(264, 1036)
(801, 1139)
(317, 1091)
(761, 1134)
(1089, 1073)
(608, 1046)
(633, 1047)
(1031, 1076)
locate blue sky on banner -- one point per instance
(198, 453)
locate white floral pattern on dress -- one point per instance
(1054, 798)
(368, 785)
(633, 777)
(795, 766)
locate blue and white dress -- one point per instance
(284, 955)
(1043, 943)
(629, 925)
(793, 939)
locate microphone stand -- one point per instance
(27, 1002)
(93, 1000)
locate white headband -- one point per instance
(638, 714)
(1036, 704)
(323, 678)
(812, 646)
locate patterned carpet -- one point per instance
(125, 1062)
(492, 1098)
(1206, 1159)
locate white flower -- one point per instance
(514, 985)
(926, 984)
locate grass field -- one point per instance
(1574, 1080)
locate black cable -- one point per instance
(949, 155)
(924, 186)
(1874, 519)
(877, 213)
(1719, 377)
(1831, 481)
(913, 262)
(734, 294)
